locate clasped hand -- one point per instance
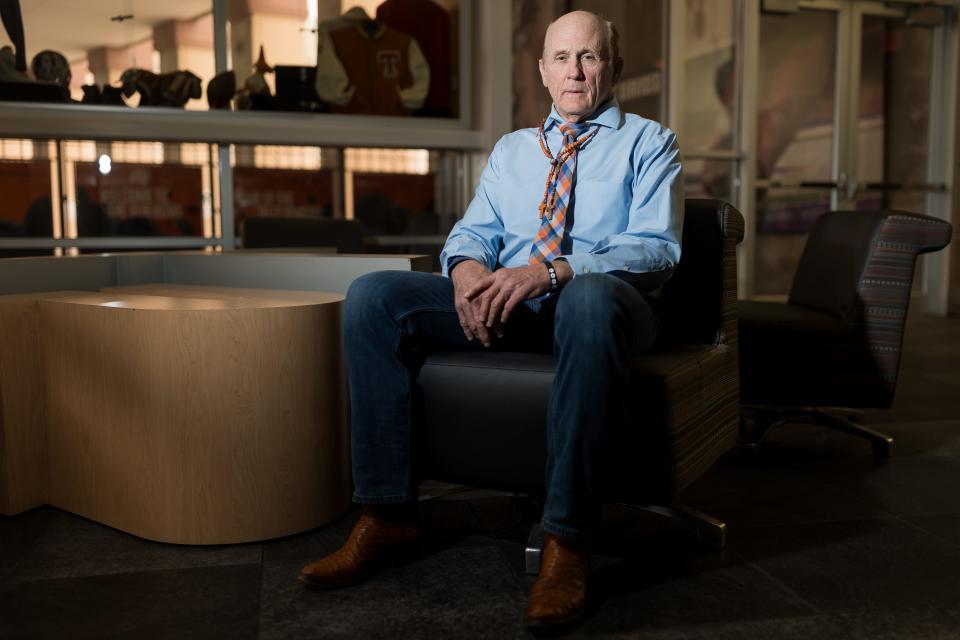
(485, 300)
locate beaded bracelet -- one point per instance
(553, 275)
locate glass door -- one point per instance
(711, 98)
(890, 144)
(798, 147)
(894, 117)
(846, 120)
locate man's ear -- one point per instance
(617, 69)
(543, 75)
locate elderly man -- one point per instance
(573, 228)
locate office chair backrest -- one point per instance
(858, 266)
(849, 253)
(836, 253)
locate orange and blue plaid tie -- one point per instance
(546, 245)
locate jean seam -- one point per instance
(430, 308)
(561, 531)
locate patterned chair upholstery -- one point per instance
(837, 341)
(484, 413)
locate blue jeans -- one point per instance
(594, 326)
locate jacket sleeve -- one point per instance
(414, 96)
(332, 84)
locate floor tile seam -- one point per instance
(134, 573)
(262, 586)
(822, 618)
(936, 536)
(927, 455)
(484, 530)
(924, 514)
(825, 618)
(842, 487)
(785, 588)
(733, 529)
(519, 580)
(865, 608)
(9, 579)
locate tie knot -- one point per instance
(573, 129)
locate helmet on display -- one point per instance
(51, 66)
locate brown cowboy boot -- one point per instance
(559, 596)
(384, 535)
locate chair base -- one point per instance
(767, 418)
(711, 533)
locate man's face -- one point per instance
(576, 67)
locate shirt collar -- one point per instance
(608, 115)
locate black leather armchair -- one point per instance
(833, 349)
(484, 413)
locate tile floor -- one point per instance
(824, 542)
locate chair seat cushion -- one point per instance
(796, 356)
(485, 416)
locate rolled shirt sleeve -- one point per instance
(479, 234)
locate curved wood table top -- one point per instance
(194, 415)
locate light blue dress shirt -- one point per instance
(625, 215)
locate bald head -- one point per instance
(580, 63)
(611, 37)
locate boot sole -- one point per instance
(403, 556)
(549, 627)
(321, 585)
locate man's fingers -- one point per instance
(511, 304)
(466, 322)
(496, 307)
(481, 307)
(483, 334)
(497, 328)
(482, 285)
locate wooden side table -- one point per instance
(195, 415)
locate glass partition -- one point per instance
(29, 184)
(362, 57)
(796, 119)
(283, 182)
(711, 82)
(641, 23)
(370, 57)
(703, 178)
(711, 104)
(136, 189)
(401, 199)
(894, 123)
(105, 52)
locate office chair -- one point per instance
(484, 414)
(833, 349)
